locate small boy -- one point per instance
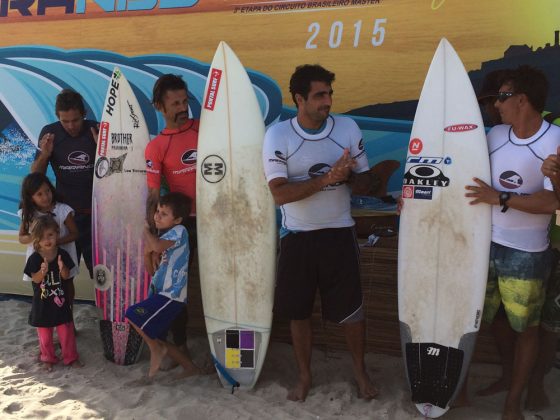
(168, 291)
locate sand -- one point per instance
(103, 390)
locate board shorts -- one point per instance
(550, 318)
(155, 315)
(516, 279)
(324, 259)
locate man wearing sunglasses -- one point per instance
(522, 200)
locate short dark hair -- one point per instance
(69, 99)
(300, 82)
(166, 83)
(491, 85)
(530, 81)
(179, 204)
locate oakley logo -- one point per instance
(426, 176)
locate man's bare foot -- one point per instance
(500, 385)
(47, 366)
(195, 370)
(366, 389)
(167, 364)
(76, 364)
(461, 401)
(300, 391)
(512, 414)
(536, 399)
(156, 357)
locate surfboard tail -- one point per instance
(121, 343)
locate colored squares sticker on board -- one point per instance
(240, 349)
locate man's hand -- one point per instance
(482, 193)
(46, 144)
(342, 168)
(551, 167)
(95, 133)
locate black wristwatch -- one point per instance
(504, 197)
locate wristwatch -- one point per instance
(504, 197)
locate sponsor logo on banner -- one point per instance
(103, 138)
(78, 158)
(415, 146)
(511, 180)
(459, 128)
(407, 192)
(425, 176)
(56, 9)
(213, 86)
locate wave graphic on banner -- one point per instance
(32, 76)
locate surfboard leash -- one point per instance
(234, 384)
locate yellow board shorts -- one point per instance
(516, 279)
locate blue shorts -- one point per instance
(155, 315)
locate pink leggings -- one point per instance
(67, 342)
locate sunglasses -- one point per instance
(504, 96)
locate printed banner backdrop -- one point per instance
(380, 51)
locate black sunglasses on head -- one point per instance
(503, 96)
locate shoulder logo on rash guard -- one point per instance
(78, 158)
(149, 164)
(280, 155)
(280, 158)
(511, 180)
(189, 157)
(361, 144)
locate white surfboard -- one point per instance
(443, 241)
(119, 200)
(235, 223)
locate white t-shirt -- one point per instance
(516, 168)
(60, 213)
(292, 153)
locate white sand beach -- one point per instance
(103, 390)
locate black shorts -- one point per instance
(327, 259)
